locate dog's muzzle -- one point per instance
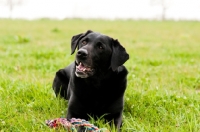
(82, 69)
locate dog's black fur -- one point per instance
(94, 84)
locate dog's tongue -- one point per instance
(81, 67)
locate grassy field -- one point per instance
(163, 93)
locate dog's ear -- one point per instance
(76, 38)
(119, 55)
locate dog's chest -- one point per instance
(99, 98)
(98, 103)
(95, 94)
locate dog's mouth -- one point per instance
(82, 70)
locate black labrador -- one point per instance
(94, 84)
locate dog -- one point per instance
(95, 83)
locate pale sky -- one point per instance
(109, 9)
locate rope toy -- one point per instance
(73, 124)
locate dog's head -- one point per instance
(96, 53)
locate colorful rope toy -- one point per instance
(73, 124)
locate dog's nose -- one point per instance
(82, 53)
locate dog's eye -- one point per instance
(84, 42)
(100, 47)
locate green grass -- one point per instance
(163, 93)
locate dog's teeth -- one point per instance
(84, 69)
